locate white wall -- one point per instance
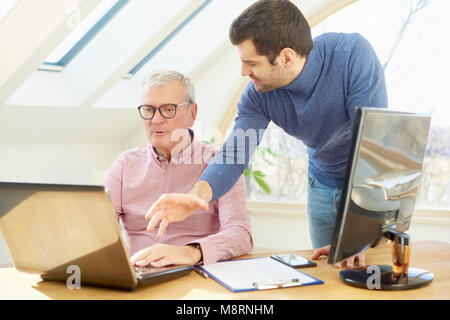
(137, 138)
(279, 233)
(425, 231)
(73, 164)
(67, 164)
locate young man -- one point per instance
(310, 89)
(172, 161)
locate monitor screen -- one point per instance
(382, 179)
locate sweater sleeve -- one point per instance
(230, 162)
(366, 85)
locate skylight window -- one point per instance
(195, 39)
(84, 32)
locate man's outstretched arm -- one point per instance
(175, 207)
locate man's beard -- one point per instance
(281, 79)
(264, 87)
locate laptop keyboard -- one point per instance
(150, 270)
(145, 270)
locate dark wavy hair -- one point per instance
(273, 25)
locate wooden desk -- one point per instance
(430, 255)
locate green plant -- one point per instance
(262, 153)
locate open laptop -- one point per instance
(50, 227)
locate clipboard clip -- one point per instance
(263, 285)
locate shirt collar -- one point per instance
(307, 79)
(184, 156)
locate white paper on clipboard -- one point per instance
(241, 275)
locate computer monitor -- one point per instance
(379, 192)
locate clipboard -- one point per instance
(257, 274)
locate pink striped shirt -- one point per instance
(138, 177)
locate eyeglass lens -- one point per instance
(166, 110)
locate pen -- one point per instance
(201, 272)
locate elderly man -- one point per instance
(171, 162)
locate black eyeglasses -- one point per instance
(167, 111)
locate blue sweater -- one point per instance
(341, 72)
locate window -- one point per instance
(83, 31)
(194, 40)
(407, 36)
(180, 45)
(281, 162)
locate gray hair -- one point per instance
(159, 78)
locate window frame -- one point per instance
(88, 36)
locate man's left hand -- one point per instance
(348, 263)
(160, 255)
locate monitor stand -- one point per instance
(396, 277)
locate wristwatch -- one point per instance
(197, 245)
